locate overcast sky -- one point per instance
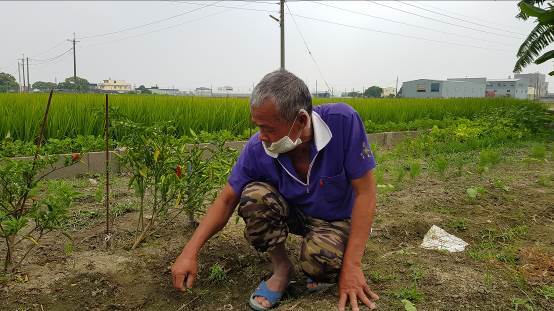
(208, 43)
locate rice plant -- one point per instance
(81, 114)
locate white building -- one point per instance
(388, 92)
(203, 91)
(536, 81)
(427, 88)
(156, 90)
(120, 86)
(516, 88)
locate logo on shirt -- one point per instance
(366, 152)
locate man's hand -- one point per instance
(184, 271)
(353, 286)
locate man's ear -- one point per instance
(304, 117)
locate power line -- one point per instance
(149, 23)
(443, 22)
(397, 34)
(466, 16)
(459, 19)
(233, 7)
(309, 51)
(42, 61)
(48, 50)
(408, 24)
(167, 27)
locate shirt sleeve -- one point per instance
(244, 170)
(358, 158)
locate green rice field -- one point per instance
(82, 114)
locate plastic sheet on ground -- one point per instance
(437, 238)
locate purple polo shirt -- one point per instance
(339, 153)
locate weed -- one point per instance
(217, 273)
(441, 164)
(521, 304)
(415, 169)
(409, 293)
(538, 152)
(474, 192)
(547, 291)
(458, 224)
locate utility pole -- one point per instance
(316, 89)
(28, 74)
(23, 67)
(282, 24)
(19, 75)
(74, 59)
(396, 88)
(281, 21)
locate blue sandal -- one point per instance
(263, 291)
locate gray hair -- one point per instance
(289, 93)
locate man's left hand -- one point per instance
(353, 286)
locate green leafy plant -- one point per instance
(547, 291)
(415, 169)
(441, 165)
(408, 305)
(171, 177)
(217, 273)
(25, 215)
(522, 304)
(538, 152)
(409, 293)
(474, 192)
(458, 224)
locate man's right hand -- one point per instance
(184, 271)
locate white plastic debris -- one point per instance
(437, 238)
(93, 182)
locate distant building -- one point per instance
(388, 92)
(203, 91)
(537, 82)
(225, 89)
(516, 88)
(119, 86)
(322, 95)
(427, 88)
(157, 90)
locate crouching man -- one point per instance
(308, 171)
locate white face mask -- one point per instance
(285, 144)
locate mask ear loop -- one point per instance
(299, 111)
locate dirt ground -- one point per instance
(509, 264)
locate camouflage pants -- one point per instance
(269, 219)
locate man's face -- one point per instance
(272, 127)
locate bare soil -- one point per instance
(508, 265)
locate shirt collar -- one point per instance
(322, 134)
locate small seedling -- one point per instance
(475, 192)
(498, 183)
(521, 304)
(441, 164)
(400, 173)
(538, 152)
(408, 305)
(487, 159)
(415, 169)
(547, 291)
(409, 293)
(458, 224)
(217, 273)
(545, 181)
